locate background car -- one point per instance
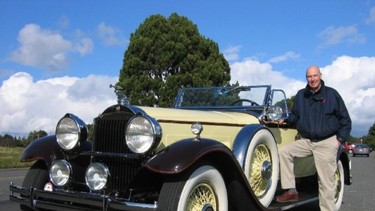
(361, 149)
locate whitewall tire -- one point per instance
(262, 166)
(201, 189)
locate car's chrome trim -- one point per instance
(204, 123)
(77, 200)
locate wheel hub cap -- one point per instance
(207, 207)
(266, 170)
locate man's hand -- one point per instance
(280, 121)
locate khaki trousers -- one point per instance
(325, 153)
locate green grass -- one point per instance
(10, 157)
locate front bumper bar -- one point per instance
(72, 201)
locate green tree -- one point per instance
(370, 138)
(165, 54)
(33, 135)
(90, 135)
(6, 140)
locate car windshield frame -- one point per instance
(231, 97)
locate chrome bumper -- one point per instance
(69, 200)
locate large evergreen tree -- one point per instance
(165, 54)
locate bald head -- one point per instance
(313, 69)
(313, 77)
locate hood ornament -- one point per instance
(121, 97)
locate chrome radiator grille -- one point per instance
(109, 136)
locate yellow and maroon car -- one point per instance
(215, 149)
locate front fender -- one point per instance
(183, 154)
(242, 141)
(45, 148)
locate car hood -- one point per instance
(217, 125)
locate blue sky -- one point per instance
(60, 56)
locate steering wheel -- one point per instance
(252, 103)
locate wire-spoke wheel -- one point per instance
(261, 171)
(262, 166)
(202, 189)
(202, 196)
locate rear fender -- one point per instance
(45, 148)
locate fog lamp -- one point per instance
(96, 176)
(60, 172)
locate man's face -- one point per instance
(313, 77)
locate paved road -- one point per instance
(6, 176)
(359, 196)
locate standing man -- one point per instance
(323, 122)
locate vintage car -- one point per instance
(215, 149)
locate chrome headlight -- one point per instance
(96, 176)
(60, 172)
(70, 130)
(142, 134)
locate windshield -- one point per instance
(222, 96)
(361, 146)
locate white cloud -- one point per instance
(352, 77)
(110, 36)
(231, 54)
(371, 18)
(46, 48)
(29, 105)
(252, 72)
(84, 46)
(287, 56)
(347, 34)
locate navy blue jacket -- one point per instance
(320, 115)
